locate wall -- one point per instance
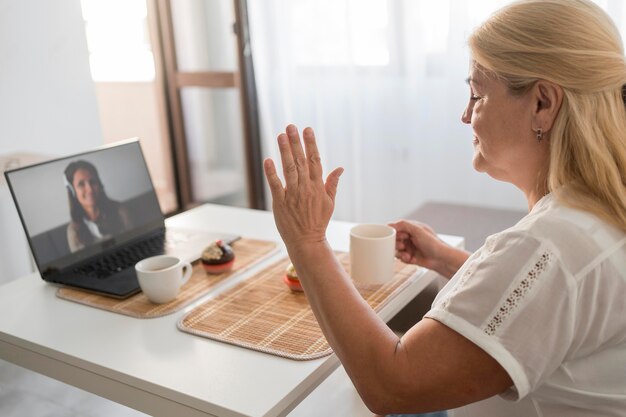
(47, 100)
(48, 103)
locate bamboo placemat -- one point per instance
(247, 253)
(263, 314)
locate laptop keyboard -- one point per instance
(123, 258)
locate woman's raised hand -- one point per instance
(304, 205)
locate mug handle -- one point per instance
(187, 270)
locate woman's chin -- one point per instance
(478, 162)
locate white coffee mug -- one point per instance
(160, 277)
(372, 253)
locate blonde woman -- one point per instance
(534, 322)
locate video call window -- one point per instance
(71, 204)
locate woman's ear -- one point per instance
(548, 97)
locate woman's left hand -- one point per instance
(303, 207)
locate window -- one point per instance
(118, 40)
(333, 33)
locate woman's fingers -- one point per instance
(298, 155)
(332, 182)
(402, 235)
(405, 257)
(313, 155)
(403, 227)
(276, 186)
(301, 166)
(304, 189)
(290, 170)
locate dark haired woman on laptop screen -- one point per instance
(94, 215)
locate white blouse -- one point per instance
(547, 300)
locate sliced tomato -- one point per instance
(292, 283)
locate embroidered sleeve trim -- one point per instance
(518, 294)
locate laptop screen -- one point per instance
(76, 207)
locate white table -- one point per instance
(149, 365)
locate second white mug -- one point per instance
(372, 253)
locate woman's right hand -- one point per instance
(417, 243)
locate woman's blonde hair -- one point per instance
(576, 45)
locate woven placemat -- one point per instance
(263, 314)
(247, 253)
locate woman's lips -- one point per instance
(475, 141)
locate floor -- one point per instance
(25, 393)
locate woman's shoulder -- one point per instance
(121, 210)
(555, 219)
(114, 206)
(577, 237)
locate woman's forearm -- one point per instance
(451, 261)
(359, 337)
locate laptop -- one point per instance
(90, 217)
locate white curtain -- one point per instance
(382, 83)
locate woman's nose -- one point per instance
(466, 116)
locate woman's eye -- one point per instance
(474, 97)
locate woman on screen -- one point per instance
(94, 216)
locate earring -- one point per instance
(539, 134)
